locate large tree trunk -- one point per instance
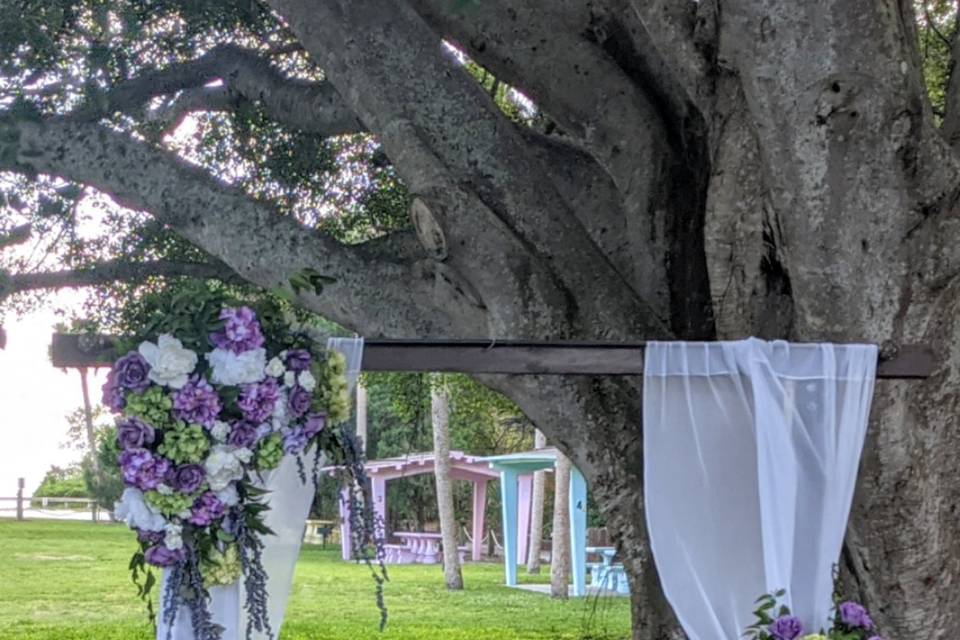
(536, 510)
(440, 405)
(560, 548)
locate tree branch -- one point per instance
(15, 236)
(114, 271)
(369, 291)
(471, 169)
(951, 119)
(314, 107)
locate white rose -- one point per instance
(172, 538)
(185, 514)
(307, 381)
(275, 368)
(245, 455)
(164, 489)
(232, 369)
(229, 496)
(223, 466)
(135, 511)
(220, 430)
(170, 363)
(289, 378)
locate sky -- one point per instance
(35, 398)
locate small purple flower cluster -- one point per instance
(241, 331)
(852, 618)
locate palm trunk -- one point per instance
(536, 512)
(440, 404)
(560, 557)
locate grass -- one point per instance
(68, 581)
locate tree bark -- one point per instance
(536, 511)
(560, 553)
(440, 413)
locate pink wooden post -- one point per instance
(479, 513)
(345, 542)
(524, 502)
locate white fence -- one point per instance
(23, 507)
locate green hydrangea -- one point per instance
(152, 406)
(171, 504)
(331, 397)
(222, 568)
(269, 452)
(184, 443)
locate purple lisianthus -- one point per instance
(786, 628)
(206, 509)
(257, 401)
(298, 360)
(855, 615)
(314, 424)
(294, 441)
(143, 470)
(113, 393)
(197, 402)
(187, 478)
(131, 372)
(244, 434)
(298, 402)
(162, 556)
(134, 433)
(241, 331)
(150, 537)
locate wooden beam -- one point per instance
(486, 356)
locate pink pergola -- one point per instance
(465, 467)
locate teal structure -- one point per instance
(516, 467)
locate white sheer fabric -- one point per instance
(751, 451)
(289, 501)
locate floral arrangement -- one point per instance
(205, 409)
(851, 622)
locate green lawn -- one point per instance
(68, 581)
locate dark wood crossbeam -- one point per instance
(486, 356)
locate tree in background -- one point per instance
(440, 418)
(671, 170)
(560, 549)
(536, 511)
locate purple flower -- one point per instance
(150, 537)
(131, 372)
(113, 393)
(241, 331)
(134, 433)
(295, 441)
(257, 401)
(143, 470)
(314, 424)
(197, 402)
(298, 360)
(874, 638)
(786, 628)
(855, 615)
(187, 478)
(206, 509)
(161, 556)
(244, 434)
(298, 403)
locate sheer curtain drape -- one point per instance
(289, 501)
(751, 451)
